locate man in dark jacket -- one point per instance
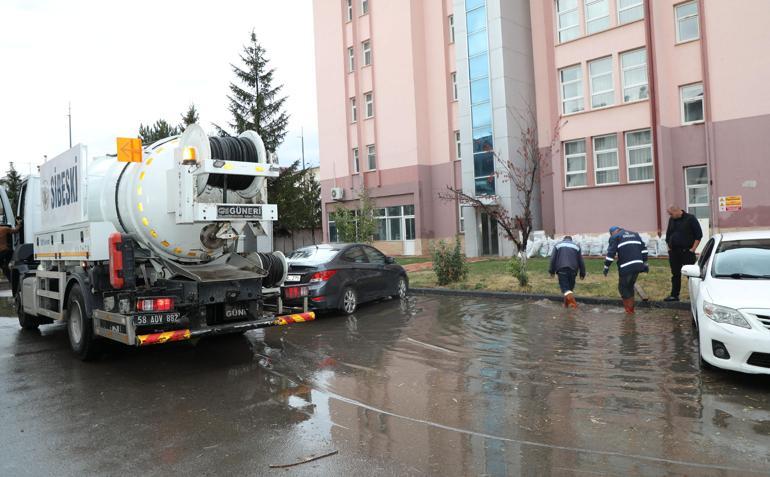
(683, 235)
(631, 254)
(566, 261)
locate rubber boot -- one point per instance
(570, 299)
(566, 299)
(628, 304)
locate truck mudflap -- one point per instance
(125, 333)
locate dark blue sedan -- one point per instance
(342, 276)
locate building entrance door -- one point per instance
(409, 231)
(489, 238)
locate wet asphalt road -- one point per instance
(432, 386)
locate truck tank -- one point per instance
(148, 199)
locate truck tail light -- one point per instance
(115, 242)
(295, 292)
(322, 276)
(155, 304)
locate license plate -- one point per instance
(293, 278)
(236, 312)
(157, 319)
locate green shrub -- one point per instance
(448, 262)
(518, 268)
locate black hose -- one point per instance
(274, 267)
(232, 149)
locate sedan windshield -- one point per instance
(740, 259)
(312, 255)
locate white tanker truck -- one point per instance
(157, 244)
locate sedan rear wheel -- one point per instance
(349, 301)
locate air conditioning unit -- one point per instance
(338, 193)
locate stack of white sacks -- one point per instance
(592, 245)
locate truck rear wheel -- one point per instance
(27, 322)
(80, 328)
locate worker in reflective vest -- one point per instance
(630, 252)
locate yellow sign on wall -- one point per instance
(129, 149)
(730, 203)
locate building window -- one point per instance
(349, 10)
(453, 76)
(630, 11)
(371, 157)
(597, 15)
(351, 60)
(356, 163)
(461, 225)
(395, 223)
(366, 49)
(602, 86)
(568, 22)
(353, 110)
(606, 159)
(692, 103)
(451, 20)
(332, 228)
(571, 89)
(364, 7)
(687, 27)
(639, 156)
(696, 181)
(458, 146)
(634, 64)
(369, 101)
(575, 163)
(481, 109)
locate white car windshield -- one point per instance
(740, 259)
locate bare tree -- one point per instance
(523, 170)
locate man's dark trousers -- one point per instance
(677, 258)
(566, 279)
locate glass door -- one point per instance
(489, 238)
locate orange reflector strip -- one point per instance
(160, 338)
(298, 318)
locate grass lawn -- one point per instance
(493, 275)
(410, 260)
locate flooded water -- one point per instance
(429, 386)
(454, 386)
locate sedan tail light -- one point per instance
(322, 276)
(155, 304)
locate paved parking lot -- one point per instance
(429, 386)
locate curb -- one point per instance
(677, 305)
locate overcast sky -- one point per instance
(122, 63)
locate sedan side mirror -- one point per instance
(692, 271)
(390, 260)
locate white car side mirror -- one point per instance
(692, 271)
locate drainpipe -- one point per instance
(707, 121)
(653, 107)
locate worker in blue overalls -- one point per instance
(566, 262)
(631, 254)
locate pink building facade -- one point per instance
(387, 109)
(656, 103)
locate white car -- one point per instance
(730, 301)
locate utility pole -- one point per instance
(69, 121)
(302, 137)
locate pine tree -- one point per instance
(190, 117)
(12, 184)
(155, 132)
(255, 103)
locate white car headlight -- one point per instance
(722, 314)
